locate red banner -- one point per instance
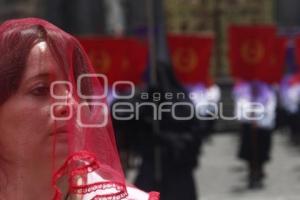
(255, 53)
(297, 51)
(273, 72)
(191, 57)
(117, 58)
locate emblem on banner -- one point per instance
(125, 65)
(101, 61)
(185, 59)
(252, 51)
(273, 60)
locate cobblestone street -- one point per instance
(223, 177)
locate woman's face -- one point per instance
(26, 125)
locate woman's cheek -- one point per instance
(34, 123)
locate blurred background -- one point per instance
(226, 52)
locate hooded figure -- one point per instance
(255, 104)
(289, 98)
(168, 138)
(167, 135)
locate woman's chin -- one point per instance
(58, 148)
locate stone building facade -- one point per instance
(214, 17)
(183, 16)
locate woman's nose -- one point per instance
(62, 108)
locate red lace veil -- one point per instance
(90, 169)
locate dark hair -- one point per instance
(17, 38)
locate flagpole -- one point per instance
(151, 41)
(154, 82)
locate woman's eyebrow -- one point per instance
(44, 75)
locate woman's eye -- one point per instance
(41, 90)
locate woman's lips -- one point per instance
(60, 135)
(59, 130)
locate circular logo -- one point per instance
(125, 66)
(100, 60)
(185, 59)
(252, 51)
